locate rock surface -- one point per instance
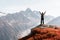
(43, 33)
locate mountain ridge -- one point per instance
(19, 22)
(47, 32)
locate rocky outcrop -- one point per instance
(47, 33)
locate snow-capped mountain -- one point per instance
(55, 21)
(6, 31)
(19, 22)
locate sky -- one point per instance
(52, 7)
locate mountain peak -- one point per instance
(28, 10)
(48, 33)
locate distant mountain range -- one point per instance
(6, 31)
(13, 24)
(55, 21)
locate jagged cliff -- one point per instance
(43, 32)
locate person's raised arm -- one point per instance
(44, 12)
